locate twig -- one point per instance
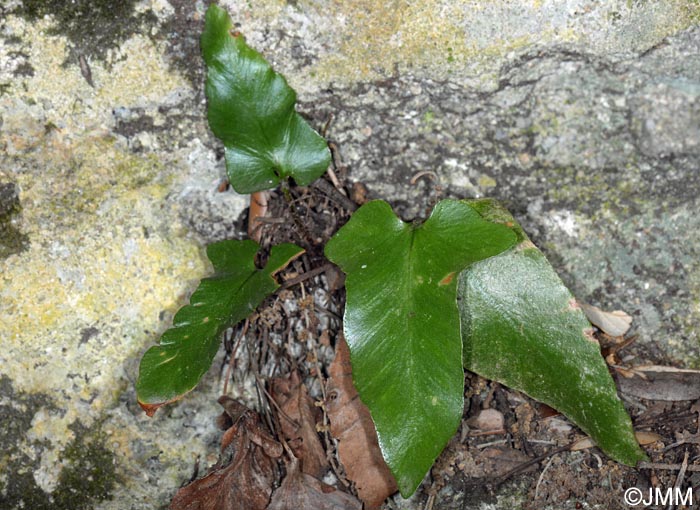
(334, 194)
(305, 276)
(487, 433)
(335, 181)
(195, 471)
(425, 173)
(327, 125)
(693, 439)
(665, 418)
(522, 467)
(288, 449)
(328, 311)
(260, 384)
(694, 468)
(615, 347)
(274, 403)
(302, 230)
(337, 165)
(319, 373)
(491, 443)
(681, 475)
(85, 70)
(542, 441)
(539, 480)
(232, 359)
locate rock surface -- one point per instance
(584, 117)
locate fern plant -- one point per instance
(464, 289)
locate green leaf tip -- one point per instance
(522, 327)
(402, 326)
(251, 109)
(174, 367)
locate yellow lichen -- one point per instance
(374, 37)
(139, 75)
(105, 249)
(371, 39)
(487, 182)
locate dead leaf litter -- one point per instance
(283, 366)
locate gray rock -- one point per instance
(597, 157)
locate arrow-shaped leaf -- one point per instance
(402, 324)
(251, 109)
(522, 327)
(186, 350)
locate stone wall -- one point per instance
(584, 117)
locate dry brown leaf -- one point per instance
(662, 383)
(244, 476)
(298, 422)
(582, 444)
(359, 193)
(300, 491)
(615, 323)
(335, 278)
(352, 426)
(645, 438)
(545, 411)
(257, 211)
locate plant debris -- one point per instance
(301, 491)
(246, 472)
(654, 382)
(615, 323)
(298, 419)
(352, 426)
(295, 337)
